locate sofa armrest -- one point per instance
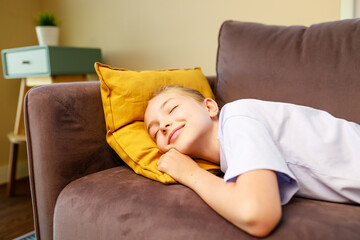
(65, 131)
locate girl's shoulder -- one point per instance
(245, 107)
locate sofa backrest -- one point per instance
(317, 66)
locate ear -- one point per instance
(212, 107)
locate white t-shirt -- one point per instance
(314, 154)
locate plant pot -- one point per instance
(48, 35)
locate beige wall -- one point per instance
(153, 34)
(144, 34)
(357, 8)
(17, 30)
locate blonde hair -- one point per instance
(187, 91)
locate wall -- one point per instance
(357, 8)
(143, 34)
(17, 29)
(349, 9)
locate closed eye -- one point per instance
(173, 108)
(155, 135)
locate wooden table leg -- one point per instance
(19, 120)
(16, 138)
(15, 141)
(12, 168)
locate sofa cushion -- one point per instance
(124, 96)
(316, 66)
(118, 204)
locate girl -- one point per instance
(268, 151)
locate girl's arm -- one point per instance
(252, 203)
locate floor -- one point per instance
(16, 215)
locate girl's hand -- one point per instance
(252, 203)
(179, 166)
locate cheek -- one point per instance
(199, 118)
(177, 115)
(161, 145)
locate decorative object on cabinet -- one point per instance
(47, 29)
(40, 65)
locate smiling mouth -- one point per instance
(175, 133)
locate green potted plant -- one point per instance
(47, 29)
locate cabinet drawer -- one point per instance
(49, 61)
(31, 62)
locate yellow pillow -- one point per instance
(124, 96)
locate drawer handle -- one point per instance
(25, 62)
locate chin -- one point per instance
(187, 147)
(184, 150)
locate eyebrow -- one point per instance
(164, 103)
(161, 107)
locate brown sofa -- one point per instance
(82, 190)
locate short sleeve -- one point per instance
(246, 145)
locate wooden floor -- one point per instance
(16, 216)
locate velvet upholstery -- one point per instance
(118, 204)
(82, 190)
(316, 66)
(65, 131)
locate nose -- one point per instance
(164, 127)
